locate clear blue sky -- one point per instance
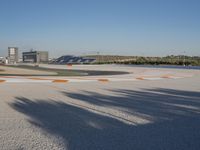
(127, 27)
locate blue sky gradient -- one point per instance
(124, 27)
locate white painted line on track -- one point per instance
(152, 78)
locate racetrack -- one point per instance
(145, 109)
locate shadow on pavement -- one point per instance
(175, 120)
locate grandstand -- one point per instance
(70, 59)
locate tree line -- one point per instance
(140, 60)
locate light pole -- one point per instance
(98, 54)
(184, 58)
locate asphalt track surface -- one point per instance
(29, 70)
(146, 109)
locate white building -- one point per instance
(12, 55)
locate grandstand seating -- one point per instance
(70, 59)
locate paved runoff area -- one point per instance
(148, 108)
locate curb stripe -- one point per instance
(166, 77)
(140, 78)
(60, 81)
(103, 80)
(38, 79)
(78, 79)
(1, 81)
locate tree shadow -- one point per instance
(174, 117)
